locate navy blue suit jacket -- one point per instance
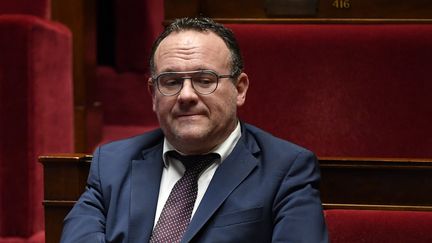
(265, 191)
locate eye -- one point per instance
(204, 81)
(171, 81)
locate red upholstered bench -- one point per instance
(349, 90)
(36, 116)
(378, 226)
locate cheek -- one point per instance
(162, 107)
(226, 103)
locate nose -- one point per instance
(187, 93)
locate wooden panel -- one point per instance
(376, 183)
(55, 212)
(348, 183)
(392, 9)
(181, 8)
(64, 181)
(80, 17)
(280, 8)
(257, 10)
(230, 9)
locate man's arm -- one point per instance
(86, 221)
(297, 208)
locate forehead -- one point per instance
(192, 50)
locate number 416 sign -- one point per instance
(341, 4)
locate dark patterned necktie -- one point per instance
(177, 211)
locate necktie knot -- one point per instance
(196, 163)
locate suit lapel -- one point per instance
(227, 177)
(145, 181)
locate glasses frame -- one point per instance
(218, 76)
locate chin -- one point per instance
(191, 135)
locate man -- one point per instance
(257, 188)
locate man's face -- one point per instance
(192, 122)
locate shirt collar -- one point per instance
(223, 149)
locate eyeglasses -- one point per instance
(203, 81)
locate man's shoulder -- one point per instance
(133, 145)
(276, 154)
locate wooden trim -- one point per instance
(384, 183)
(315, 21)
(375, 163)
(320, 20)
(62, 158)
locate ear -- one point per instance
(151, 89)
(242, 86)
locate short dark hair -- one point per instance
(203, 24)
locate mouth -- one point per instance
(191, 116)
(188, 115)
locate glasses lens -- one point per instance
(205, 82)
(170, 83)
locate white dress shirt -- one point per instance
(174, 170)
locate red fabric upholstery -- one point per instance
(125, 98)
(127, 106)
(36, 116)
(40, 8)
(369, 226)
(116, 132)
(341, 90)
(39, 237)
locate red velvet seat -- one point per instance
(360, 90)
(377, 226)
(121, 94)
(40, 8)
(36, 117)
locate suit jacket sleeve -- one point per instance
(297, 206)
(86, 221)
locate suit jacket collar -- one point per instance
(145, 181)
(236, 168)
